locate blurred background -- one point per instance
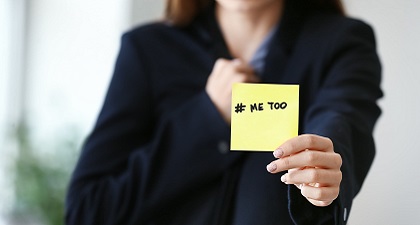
(56, 61)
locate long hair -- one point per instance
(182, 12)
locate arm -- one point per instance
(135, 166)
(345, 111)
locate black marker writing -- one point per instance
(277, 105)
(239, 108)
(257, 107)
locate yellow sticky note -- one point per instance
(263, 116)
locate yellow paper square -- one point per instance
(263, 116)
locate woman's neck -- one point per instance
(245, 28)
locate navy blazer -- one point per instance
(158, 153)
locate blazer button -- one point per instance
(223, 147)
(345, 214)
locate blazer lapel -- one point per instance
(281, 48)
(209, 33)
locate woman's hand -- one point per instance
(312, 166)
(219, 84)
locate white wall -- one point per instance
(390, 194)
(6, 193)
(65, 50)
(146, 11)
(12, 17)
(72, 46)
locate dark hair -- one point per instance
(182, 12)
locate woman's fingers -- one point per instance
(317, 195)
(307, 158)
(320, 203)
(321, 196)
(302, 142)
(242, 67)
(318, 177)
(312, 166)
(219, 83)
(232, 71)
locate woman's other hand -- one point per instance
(312, 165)
(219, 84)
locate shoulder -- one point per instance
(152, 31)
(337, 27)
(162, 37)
(328, 36)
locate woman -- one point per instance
(159, 151)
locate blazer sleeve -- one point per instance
(345, 109)
(131, 162)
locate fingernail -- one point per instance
(236, 61)
(278, 153)
(271, 167)
(283, 178)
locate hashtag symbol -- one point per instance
(239, 108)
